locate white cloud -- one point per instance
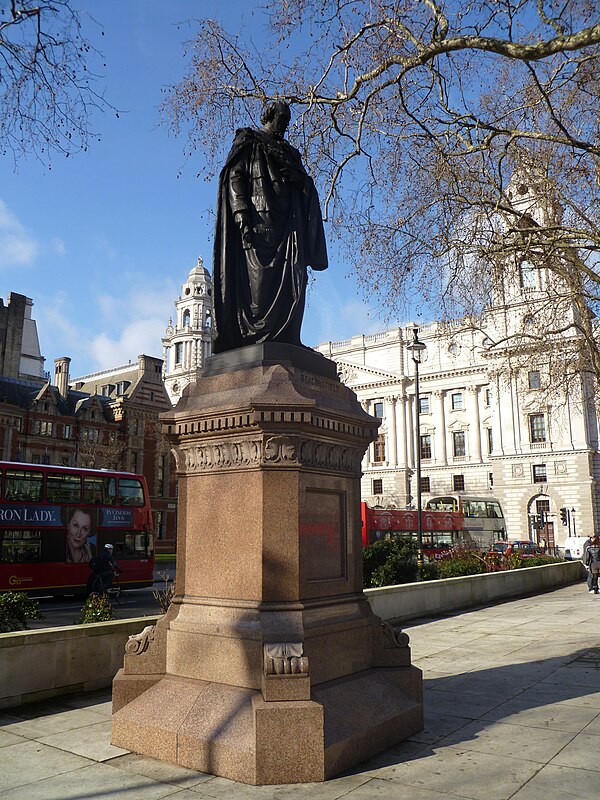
(18, 247)
(132, 322)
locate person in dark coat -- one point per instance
(268, 230)
(592, 560)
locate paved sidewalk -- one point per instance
(512, 696)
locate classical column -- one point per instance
(390, 409)
(439, 420)
(401, 406)
(474, 424)
(410, 431)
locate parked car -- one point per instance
(520, 547)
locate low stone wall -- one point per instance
(35, 665)
(427, 598)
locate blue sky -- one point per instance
(103, 240)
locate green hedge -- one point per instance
(394, 561)
(389, 562)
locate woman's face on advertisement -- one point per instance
(78, 529)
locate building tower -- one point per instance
(187, 343)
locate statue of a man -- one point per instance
(269, 229)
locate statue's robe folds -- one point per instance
(259, 291)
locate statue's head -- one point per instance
(276, 117)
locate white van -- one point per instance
(574, 547)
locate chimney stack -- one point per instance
(61, 375)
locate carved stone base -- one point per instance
(270, 666)
(235, 733)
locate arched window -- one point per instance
(186, 318)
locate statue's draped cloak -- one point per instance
(259, 292)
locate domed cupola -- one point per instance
(187, 341)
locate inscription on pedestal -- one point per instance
(323, 536)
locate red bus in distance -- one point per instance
(54, 519)
(441, 530)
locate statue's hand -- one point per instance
(246, 230)
(247, 237)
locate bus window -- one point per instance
(133, 544)
(474, 508)
(63, 488)
(101, 491)
(442, 504)
(23, 486)
(131, 492)
(20, 547)
(494, 511)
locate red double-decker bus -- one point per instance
(54, 520)
(441, 530)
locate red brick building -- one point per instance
(105, 420)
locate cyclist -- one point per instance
(104, 569)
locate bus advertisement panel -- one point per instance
(54, 520)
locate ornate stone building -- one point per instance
(496, 417)
(187, 343)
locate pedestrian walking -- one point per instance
(586, 544)
(592, 561)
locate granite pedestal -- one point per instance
(270, 666)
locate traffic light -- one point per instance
(564, 516)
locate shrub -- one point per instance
(538, 561)
(97, 608)
(429, 571)
(457, 566)
(15, 609)
(389, 562)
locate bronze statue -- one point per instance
(269, 229)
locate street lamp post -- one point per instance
(416, 349)
(573, 518)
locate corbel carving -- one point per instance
(139, 642)
(285, 659)
(285, 672)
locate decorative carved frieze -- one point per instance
(139, 642)
(271, 451)
(284, 658)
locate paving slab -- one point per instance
(511, 712)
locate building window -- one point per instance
(488, 397)
(42, 428)
(424, 404)
(425, 484)
(67, 431)
(458, 483)
(378, 409)
(186, 318)
(425, 444)
(539, 473)
(162, 475)
(456, 399)
(379, 448)
(91, 434)
(528, 275)
(135, 427)
(491, 479)
(179, 353)
(537, 428)
(378, 486)
(533, 379)
(490, 440)
(458, 439)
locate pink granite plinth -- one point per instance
(270, 666)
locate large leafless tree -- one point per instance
(47, 83)
(415, 116)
